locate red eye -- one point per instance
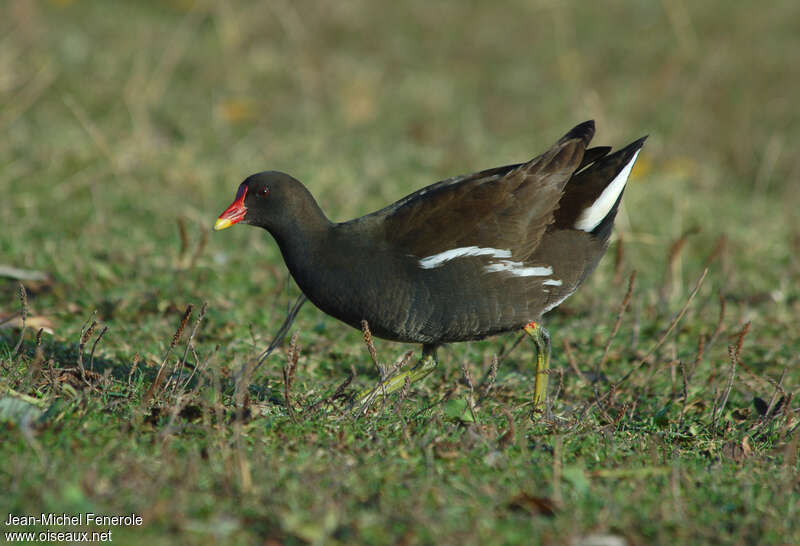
(263, 192)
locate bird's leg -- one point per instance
(424, 366)
(541, 338)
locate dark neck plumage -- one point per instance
(301, 233)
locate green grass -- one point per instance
(121, 120)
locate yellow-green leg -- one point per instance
(541, 338)
(427, 363)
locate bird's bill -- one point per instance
(233, 214)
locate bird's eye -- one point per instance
(263, 192)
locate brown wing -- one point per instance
(507, 207)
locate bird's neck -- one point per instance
(302, 235)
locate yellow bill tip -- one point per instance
(222, 223)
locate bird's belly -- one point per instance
(403, 302)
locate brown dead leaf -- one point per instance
(525, 502)
(737, 451)
(14, 320)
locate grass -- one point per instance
(127, 127)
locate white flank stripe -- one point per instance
(592, 216)
(438, 259)
(552, 282)
(517, 269)
(556, 303)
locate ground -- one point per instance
(127, 128)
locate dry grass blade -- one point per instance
(288, 371)
(471, 395)
(23, 302)
(154, 388)
(338, 393)
(373, 353)
(622, 308)
(247, 370)
(619, 256)
(720, 327)
(94, 346)
(400, 363)
(198, 251)
(134, 365)
(286, 394)
(189, 343)
(293, 355)
(771, 413)
(184, 241)
(403, 395)
(685, 392)
(671, 269)
(666, 333)
(740, 339)
(507, 438)
(701, 348)
(733, 352)
(719, 250)
(487, 384)
(86, 333)
(572, 363)
(34, 368)
(721, 409)
(779, 390)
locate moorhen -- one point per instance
(461, 259)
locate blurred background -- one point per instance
(127, 127)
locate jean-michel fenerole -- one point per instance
(83, 518)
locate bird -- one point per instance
(464, 258)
